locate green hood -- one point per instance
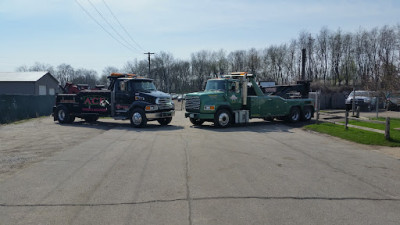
(206, 93)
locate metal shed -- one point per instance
(28, 83)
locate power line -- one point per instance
(103, 27)
(111, 26)
(123, 28)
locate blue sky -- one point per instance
(59, 31)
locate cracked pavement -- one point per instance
(262, 173)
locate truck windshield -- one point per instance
(360, 93)
(143, 86)
(215, 85)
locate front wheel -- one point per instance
(164, 121)
(222, 118)
(138, 118)
(196, 122)
(294, 115)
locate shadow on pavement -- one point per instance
(254, 126)
(107, 125)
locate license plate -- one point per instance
(166, 114)
(191, 115)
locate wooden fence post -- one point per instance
(387, 128)
(317, 105)
(358, 112)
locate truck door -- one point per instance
(122, 97)
(234, 94)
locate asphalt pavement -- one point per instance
(261, 173)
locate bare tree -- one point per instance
(322, 52)
(200, 68)
(253, 61)
(64, 73)
(335, 43)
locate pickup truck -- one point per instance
(236, 98)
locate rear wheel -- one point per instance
(63, 116)
(222, 118)
(71, 119)
(91, 118)
(164, 121)
(307, 114)
(138, 118)
(196, 122)
(269, 118)
(294, 115)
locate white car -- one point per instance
(365, 99)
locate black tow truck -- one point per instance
(127, 97)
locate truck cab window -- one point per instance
(215, 85)
(143, 86)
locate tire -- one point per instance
(222, 118)
(91, 118)
(307, 114)
(164, 121)
(269, 118)
(369, 107)
(294, 115)
(138, 118)
(71, 119)
(196, 122)
(63, 116)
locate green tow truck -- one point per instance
(236, 98)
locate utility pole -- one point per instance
(303, 64)
(149, 53)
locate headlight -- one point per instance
(209, 107)
(151, 108)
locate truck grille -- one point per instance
(164, 103)
(192, 102)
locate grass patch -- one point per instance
(357, 135)
(394, 123)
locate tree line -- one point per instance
(366, 59)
